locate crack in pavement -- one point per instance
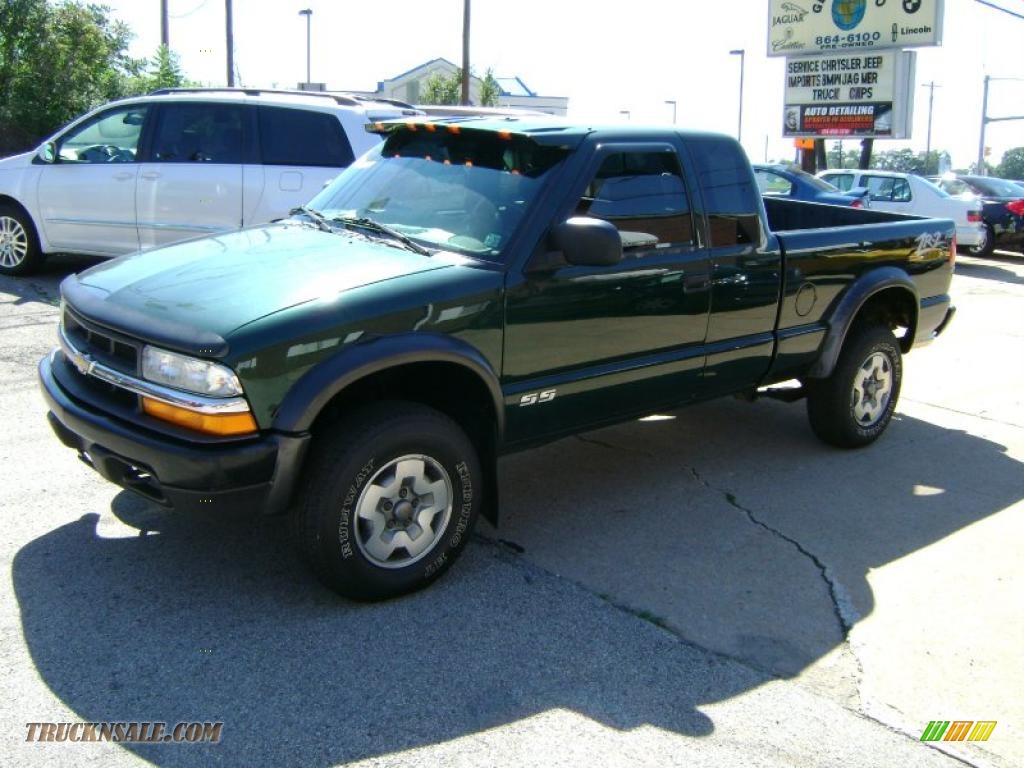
(842, 606)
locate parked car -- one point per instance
(1002, 208)
(796, 184)
(467, 289)
(151, 170)
(915, 195)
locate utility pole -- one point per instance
(980, 170)
(673, 103)
(164, 34)
(741, 52)
(928, 145)
(230, 43)
(465, 52)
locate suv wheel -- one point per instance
(853, 406)
(19, 246)
(388, 501)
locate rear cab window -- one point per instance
(731, 199)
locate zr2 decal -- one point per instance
(538, 397)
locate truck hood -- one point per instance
(216, 284)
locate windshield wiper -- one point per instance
(317, 218)
(365, 222)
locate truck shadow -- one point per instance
(215, 620)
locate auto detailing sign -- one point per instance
(801, 27)
(864, 95)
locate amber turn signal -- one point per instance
(223, 424)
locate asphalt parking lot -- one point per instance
(711, 587)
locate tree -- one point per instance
(443, 89)
(1012, 164)
(56, 62)
(164, 71)
(447, 89)
(490, 91)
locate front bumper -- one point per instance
(254, 474)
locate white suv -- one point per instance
(179, 163)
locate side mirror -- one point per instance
(588, 242)
(48, 153)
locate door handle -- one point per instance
(151, 175)
(696, 283)
(123, 176)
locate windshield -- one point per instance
(455, 189)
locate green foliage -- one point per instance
(489, 90)
(1012, 164)
(443, 89)
(56, 62)
(447, 89)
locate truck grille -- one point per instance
(117, 352)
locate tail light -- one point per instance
(973, 217)
(860, 204)
(1016, 207)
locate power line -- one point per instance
(1000, 8)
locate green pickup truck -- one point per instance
(470, 288)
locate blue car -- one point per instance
(791, 182)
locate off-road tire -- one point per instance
(346, 458)
(832, 403)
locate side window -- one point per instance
(112, 137)
(843, 181)
(901, 191)
(302, 137)
(769, 183)
(730, 196)
(199, 133)
(643, 195)
(883, 187)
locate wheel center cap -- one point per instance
(403, 511)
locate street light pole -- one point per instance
(229, 42)
(928, 145)
(308, 13)
(673, 103)
(741, 52)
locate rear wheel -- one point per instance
(388, 501)
(853, 406)
(19, 246)
(985, 248)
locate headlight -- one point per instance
(189, 373)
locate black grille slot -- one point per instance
(112, 350)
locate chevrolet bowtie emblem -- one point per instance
(83, 364)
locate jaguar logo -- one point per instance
(847, 14)
(792, 14)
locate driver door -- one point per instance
(87, 195)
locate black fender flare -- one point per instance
(318, 386)
(842, 315)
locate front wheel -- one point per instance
(388, 501)
(853, 406)
(19, 246)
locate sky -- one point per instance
(607, 57)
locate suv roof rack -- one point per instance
(343, 100)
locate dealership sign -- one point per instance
(868, 94)
(802, 27)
